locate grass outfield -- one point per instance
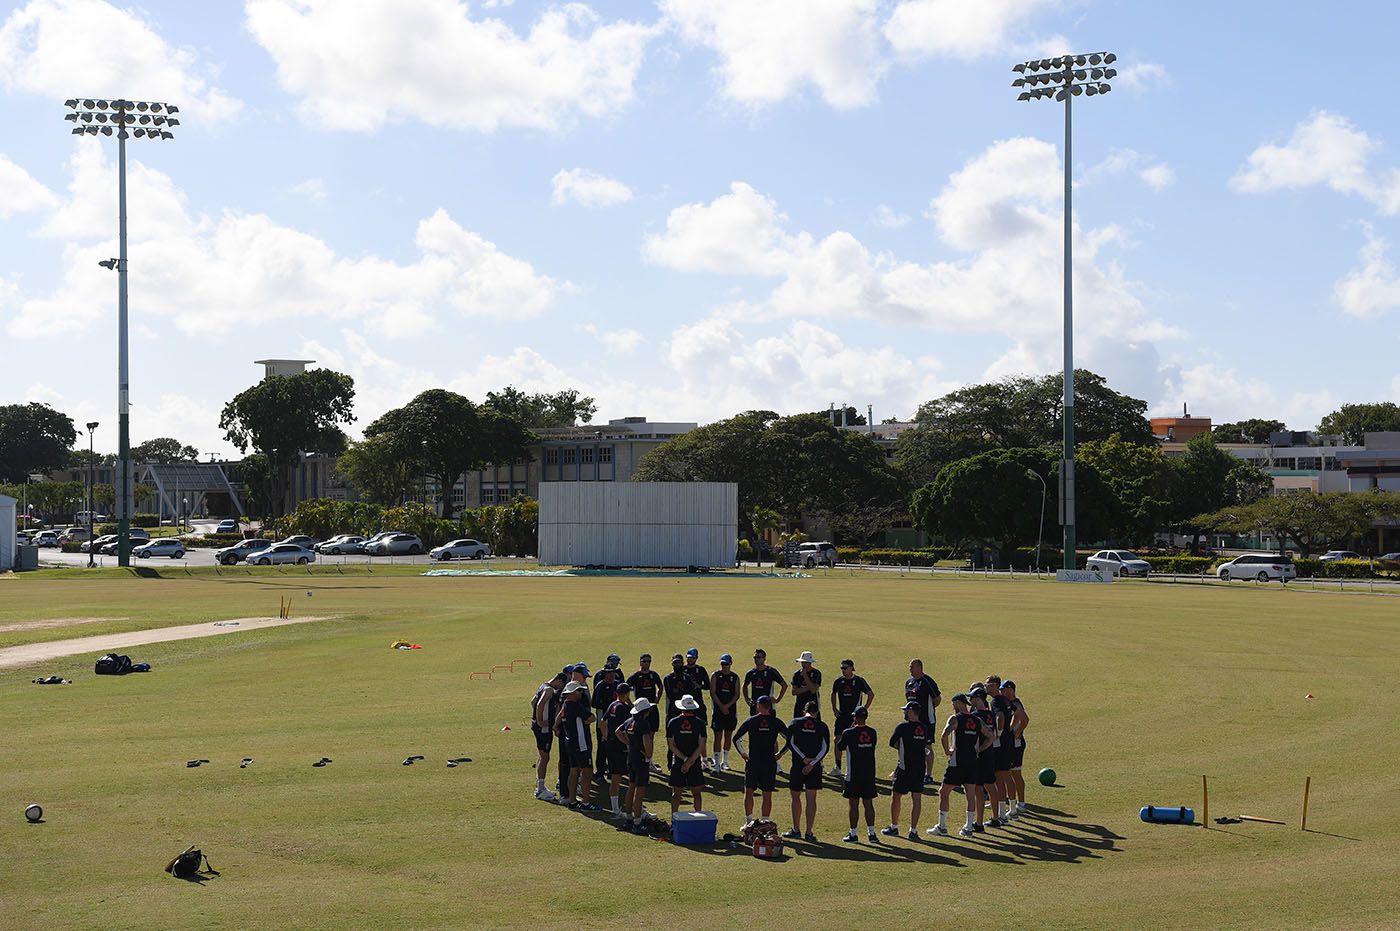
(1134, 690)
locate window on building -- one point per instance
(459, 495)
(605, 454)
(586, 455)
(488, 495)
(551, 457)
(569, 455)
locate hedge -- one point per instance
(212, 541)
(145, 520)
(1181, 565)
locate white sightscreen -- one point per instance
(7, 532)
(648, 524)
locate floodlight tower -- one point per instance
(1063, 79)
(141, 119)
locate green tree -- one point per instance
(447, 435)
(764, 521)
(81, 459)
(283, 416)
(33, 438)
(380, 469)
(1253, 430)
(1353, 421)
(163, 449)
(512, 529)
(1307, 521)
(730, 450)
(1140, 479)
(565, 408)
(1207, 479)
(1022, 412)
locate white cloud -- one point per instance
(1371, 288)
(957, 28)
(211, 274)
(618, 342)
(886, 217)
(1324, 149)
(313, 189)
(1223, 394)
(19, 192)
(1141, 77)
(769, 51)
(1157, 175)
(61, 47)
(739, 233)
(588, 189)
(358, 64)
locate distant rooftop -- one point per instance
(283, 366)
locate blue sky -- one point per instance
(693, 207)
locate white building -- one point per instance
(7, 533)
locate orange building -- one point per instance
(1179, 429)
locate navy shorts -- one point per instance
(544, 740)
(963, 774)
(798, 781)
(844, 722)
(616, 755)
(1018, 754)
(580, 758)
(1003, 754)
(909, 781)
(726, 720)
(758, 776)
(639, 772)
(654, 719)
(988, 763)
(860, 788)
(692, 778)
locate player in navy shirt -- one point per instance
(724, 689)
(969, 735)
(923, 692)
(988, 791)
(544, 707)
(1016, 733)
(685, 736)
(618, 712)
(646, 683)
(634, 735)
(699, 683)
(761, 680)
(809, 739)
(858, 741)
(605, 684)
(761, 759)
(846, 692)
(806, 683)
(575, 726)
(912, 738)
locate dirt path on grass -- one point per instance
(30, 653)
(49, 622)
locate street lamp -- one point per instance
(141, 119)
(1063, 79)
(90, 427)
(1039, 534)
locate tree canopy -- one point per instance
(33, 438)
(1353, 421)
(283, 416)
(1207, 479)
(163, 449)
(381, 469)
(1142, 483)
(1307, 521)
(1253, 430)
(1016, 413)
(565, 408)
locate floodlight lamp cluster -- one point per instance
(1059, 78)
(142, 119)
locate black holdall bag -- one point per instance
(113, 664)
(187, 865)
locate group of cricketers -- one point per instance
(609, 724)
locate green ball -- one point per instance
(1047, 776)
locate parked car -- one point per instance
(1334, 555)
(240, 551)
(227, 525)
(74, 535)
(1390, 559)
(137, 536)
(341, 545)
(25, 538)
(461, 549)
(279, 553)
(99, 542)
(46, 538)
(1261, 567)
(301, 540)
(811, 555)
(82, 518)
(396, 544)
(381, 535)
(165, 546)
(1119, 563)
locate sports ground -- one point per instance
(1134, 689)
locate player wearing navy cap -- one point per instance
(699, 684)
(647, 684)
(966, 731)
(761, 761)
(1017, 730)
(923, 692)
(913, 739)
(809, 739)
(846, 693)
(574, 727)
(724, 689)
(759, 682)
(685, 736)
(618, 712)
(543, 708)
(858, 741)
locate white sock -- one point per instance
(617, 810)
(969, 821)
(539, 785)
(870, 829)
(943, 820)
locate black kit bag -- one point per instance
(187, 865)
(113, 664)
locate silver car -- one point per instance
(241, 550)
(461, 549)
(396, 544)
(1119, 563)
(165, 546)
(345, 543)
(281, 554)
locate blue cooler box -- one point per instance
(694, 827)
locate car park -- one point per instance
(341, 545)
(99, 542)
(301, 540)
(229, 555)
(135, 534)
(280, 554)
(227, 525)
(165, 546)
(1260, 567)
(1118, 563)
(1334, 555)
(461, 549)
(396, 544)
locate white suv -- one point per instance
(1260, 567)
(1119, 563)
(811, 555)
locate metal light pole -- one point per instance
(1063, 79)
(91, 465)
(143, 120)
(1040, 534)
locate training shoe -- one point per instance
(809, 836)
(979, 829)
(626, 825)
(966, 831)
(618, 816)
(870, 832)
(928, 780)
(1011, 815)
(913, 834)
(890, 831)
(938, 831)
(544, 795)
(589, 806)
(1020, 808)
(794, 834)
(852, 838)
(574, 805)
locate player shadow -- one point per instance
(1329, 834)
